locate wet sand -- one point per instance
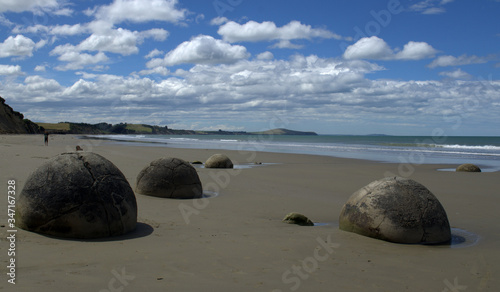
(235, 241)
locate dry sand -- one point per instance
(237, 242)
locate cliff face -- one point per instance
(12, 122)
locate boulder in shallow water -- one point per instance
(218, 161)
(299, 219)
(77, 195)
(468, 167)
(169, 178)
(396, 209)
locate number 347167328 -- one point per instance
(11, 199)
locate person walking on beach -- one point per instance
(46, 137)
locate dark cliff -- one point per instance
(12, 122)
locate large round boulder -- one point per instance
(169, 178)
(77, 195)
(468, 168)
(396, 209)
(218, 161)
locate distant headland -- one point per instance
(144, 129)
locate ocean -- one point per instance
(482, 151)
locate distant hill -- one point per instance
(282, 131)
(12, 122)
(105, 128)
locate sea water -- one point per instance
(482, 151)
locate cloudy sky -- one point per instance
(404, 67)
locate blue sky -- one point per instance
(403, 67)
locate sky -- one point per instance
(398, 67)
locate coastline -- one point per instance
(236, 240)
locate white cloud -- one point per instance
(268, 31)
(75, 59)
(446, 61)
(26, 5)
(457, 74)
(18, 46)
(375, 48)
(154, 53)
(119, 41)
(218, 20)
(40, 68)
(416, 51)
(202, 50)
(265, 56)
(430, 6)
(11, 70)
(286, 44)
(333, 91)
(141, 11)
(369, 48)
(66, 29)
(55, 7)
(157, 70)
(42, 86)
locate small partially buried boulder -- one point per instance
(398, 210)
(77, 195)
(169, 178)
(468, 168)
(218, 161)
(299, 219)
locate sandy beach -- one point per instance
(235, 241)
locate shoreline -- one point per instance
(416, 156)
(236, 240)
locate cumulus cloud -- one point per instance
(28, 5)
(202, 49)
(154, 53)
(18, 46)
(430, 6)
(369, 48)
(268, 31)
(446, 61)
(375, 48)
(40, 68)
(265, 56)
(11, 70)
(334, 91)
(75, 59)
(457, 74)
(66, 29)
(219, 20)
(141, 11)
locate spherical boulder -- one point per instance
(396, 209)
(169, 178)
(77, 195)
(297, 218)
(468, 168)
(218, 161)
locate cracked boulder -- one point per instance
(77, 195)
(169, 178)
(396, 209)
(218, 161)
